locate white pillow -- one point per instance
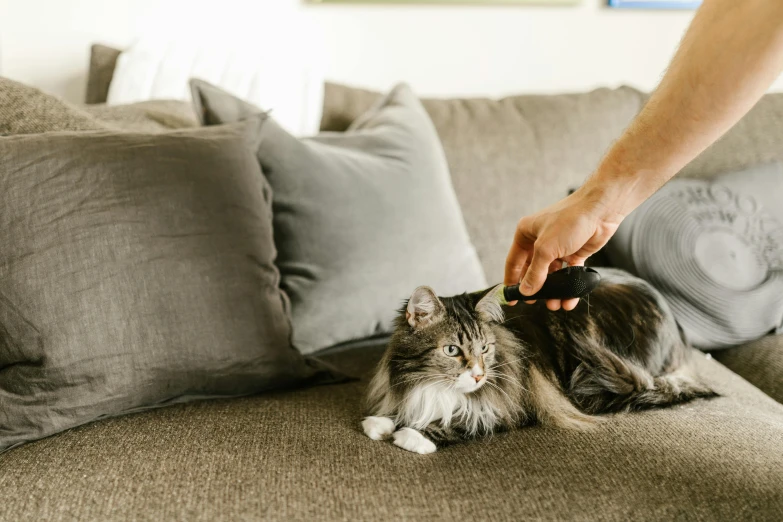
(282, 76)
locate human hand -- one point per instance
(571, 230)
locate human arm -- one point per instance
(727, 59)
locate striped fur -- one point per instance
(461, 367)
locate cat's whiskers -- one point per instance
(431, 381)
(508, 379)
(411, 379)
(519, 360)
(501, 390)
(427, 376)
(428, 380)
(430, 385)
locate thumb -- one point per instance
(537, 272)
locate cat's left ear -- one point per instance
(489, 308)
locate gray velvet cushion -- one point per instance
(27, 110)
(136, 271)
(714, 248)
(361, 218)
(509, 157)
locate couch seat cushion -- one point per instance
(760, 362)
(301, 455)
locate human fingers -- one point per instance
(570, 304)
(539, 268)
(517, 261)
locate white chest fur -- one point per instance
(428, 403)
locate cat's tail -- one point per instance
(607, 383)
(669, 389)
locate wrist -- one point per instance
(616, 196)
(620, 186)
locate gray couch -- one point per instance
(301, 455)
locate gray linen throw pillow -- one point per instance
(136, 271)
(714, 248)
(361, 218)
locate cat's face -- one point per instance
(464, 357)
(446, 343)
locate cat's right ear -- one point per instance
(488, 306)
(424, 307)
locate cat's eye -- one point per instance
(485, 348)
(451, 350)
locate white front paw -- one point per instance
(411, 440)
(378, 428)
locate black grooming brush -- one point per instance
(567, 283)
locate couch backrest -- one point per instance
(513, 156)
(756, 139)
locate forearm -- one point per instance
(728, 58)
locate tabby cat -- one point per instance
(462, 367)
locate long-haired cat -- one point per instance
(461, 367)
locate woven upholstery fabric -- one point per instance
(754, 140)
(27, 110)
(301, 455)
(103, 60)
(509, 157)
(760, 362)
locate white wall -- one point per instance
(440, 50)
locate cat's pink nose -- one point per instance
(478, 377)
